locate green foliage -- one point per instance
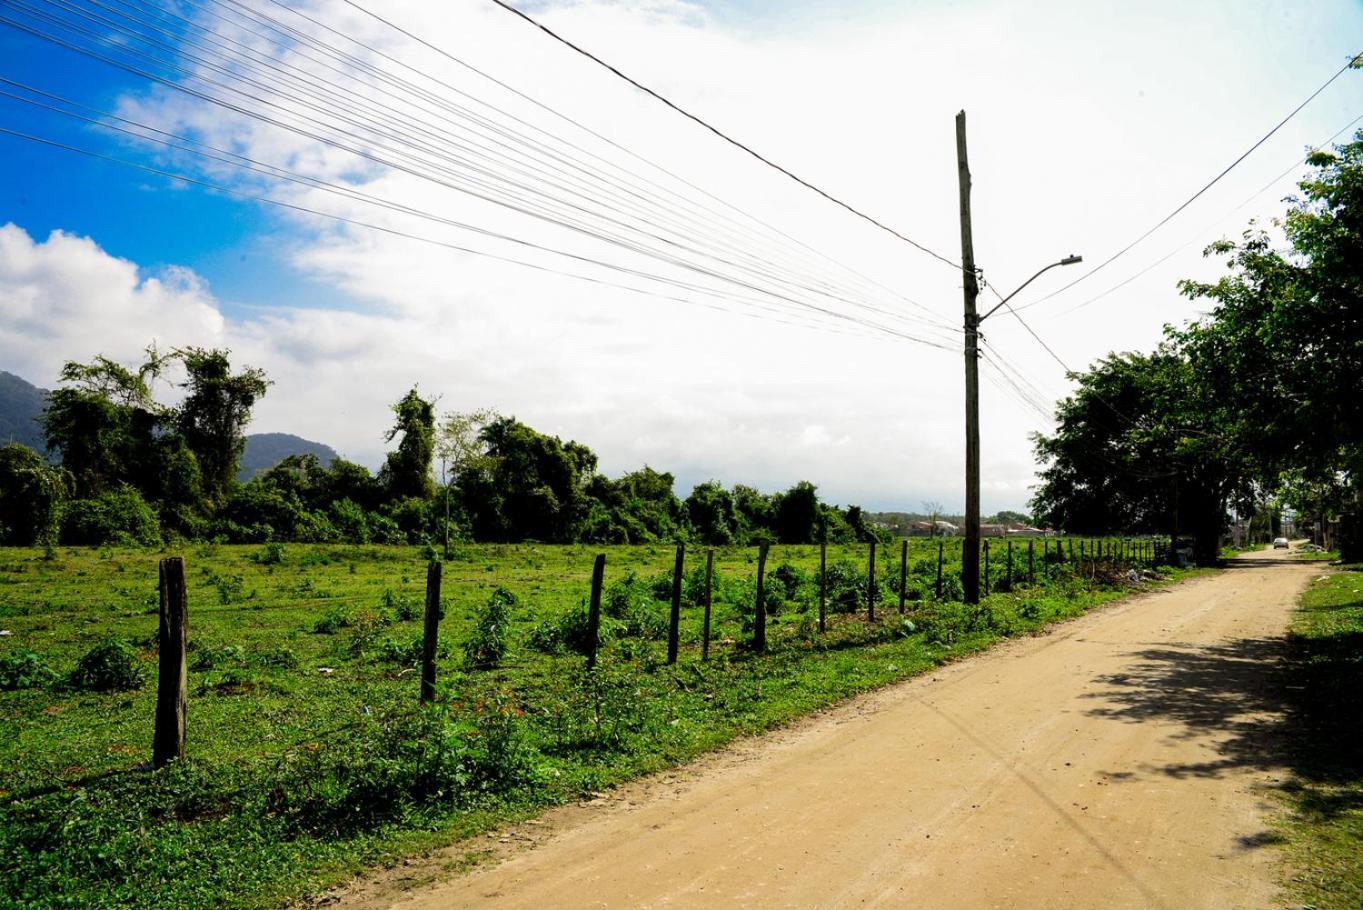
(487, 647)
(332, 621)
(117, 516)
(406, 473)
(110, 666)
(213, 416)
(32, 495)
(23, 668)
(272, 554)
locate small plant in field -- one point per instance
(280, 658)
(229, 587)
(489, 643)
(272, 554)
(332, 621)
(569, 631)
(218, 658)
(24, 669)
(110, 666)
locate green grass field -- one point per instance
(1324, 831)
(308, 758)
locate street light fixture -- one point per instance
(970, 557)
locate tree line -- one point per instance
(129, 469)
(1259, 401)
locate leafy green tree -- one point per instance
(103, 423)
(406, 472)
(1138, 448)
(1283, 341)
(796, 516)
(32, 494)
(214, 413)
(529, 487)
(710, 509)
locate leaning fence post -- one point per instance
(705, 629)
(871, 584)
(172, 681)
(759, 627)
(594, 611)
(430, 632)
(823, 583)
(903, 572)
(941, 546)
(674, 621)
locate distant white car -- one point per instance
(1280, 543)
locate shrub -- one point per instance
(218, 658)
(571, 631)
(24, 669)
(118, 516)
(272, 554)
(488, 645)
(280, 658)
(331, 622)
(110, 666)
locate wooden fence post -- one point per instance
(871, 585)
(903, 572)
(674, 621)
(823, 583)
(594, 611)
(705, 629)
(430, 632)
(172, 681)
(1031, 558)
(1071, 545)
(986, 567)
(759, 627)
(941, 546)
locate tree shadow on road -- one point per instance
(1287, 704)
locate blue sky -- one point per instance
(151, 220)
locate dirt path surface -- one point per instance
(1119, 761)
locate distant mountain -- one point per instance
(265, 450)
(21, 404)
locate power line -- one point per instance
(517, 203)
(424, 239)
(713, 129)
(1354, 62)
(1194, 238)
(520, 207)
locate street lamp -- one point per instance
(970, 557)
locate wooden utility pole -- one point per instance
(970, 557)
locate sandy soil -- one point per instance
(1122, 760)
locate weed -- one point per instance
(110, 666)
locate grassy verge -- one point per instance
(308, 757)
(1325, 829)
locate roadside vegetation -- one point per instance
(1325, 828)
(309, 758)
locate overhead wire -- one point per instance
(705, 124)
(1352, 63)
(343, 146)
(331, 140)
(1203, 233)
(502, 145)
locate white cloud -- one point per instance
(1087, 124)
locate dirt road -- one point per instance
(1122, 760)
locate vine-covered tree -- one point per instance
(406, 473)
(213, 416)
